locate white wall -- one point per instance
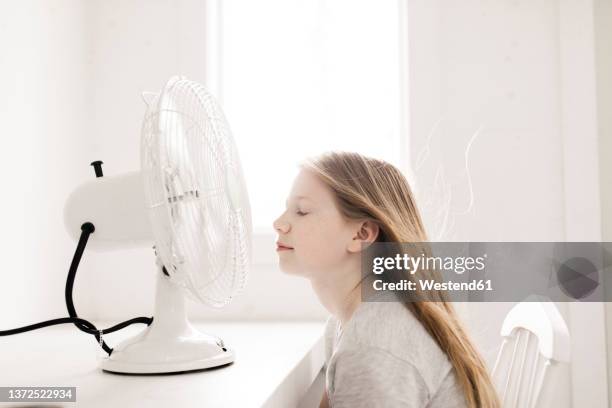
(521, 73)
(43, 78)
(603, 43)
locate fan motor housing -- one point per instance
(116, 207)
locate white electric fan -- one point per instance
(190, 201)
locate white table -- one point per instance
(276, 364)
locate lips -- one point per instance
(280, 245)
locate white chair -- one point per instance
(536, 343)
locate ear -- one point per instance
(367, 232)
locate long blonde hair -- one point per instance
(367, 188)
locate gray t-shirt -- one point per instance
(384, 357)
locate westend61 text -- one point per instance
(430, 284)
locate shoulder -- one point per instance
(390, 331)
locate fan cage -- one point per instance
(196, 195)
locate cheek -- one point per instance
(321, 243)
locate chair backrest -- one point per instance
(536, 343)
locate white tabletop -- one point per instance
(275, 364)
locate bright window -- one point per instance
(302, 77)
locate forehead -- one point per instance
(308, 186)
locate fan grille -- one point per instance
(195, 191)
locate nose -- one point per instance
(281, 226)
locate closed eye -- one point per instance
(300, 213)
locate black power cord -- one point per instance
(85, 326)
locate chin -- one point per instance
(290, 269)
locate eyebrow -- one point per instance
(297, 198)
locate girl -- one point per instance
(378, 354)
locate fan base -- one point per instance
(153, 351)
(166, 367)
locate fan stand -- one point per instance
(170, 344)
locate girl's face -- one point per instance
(313, 237)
